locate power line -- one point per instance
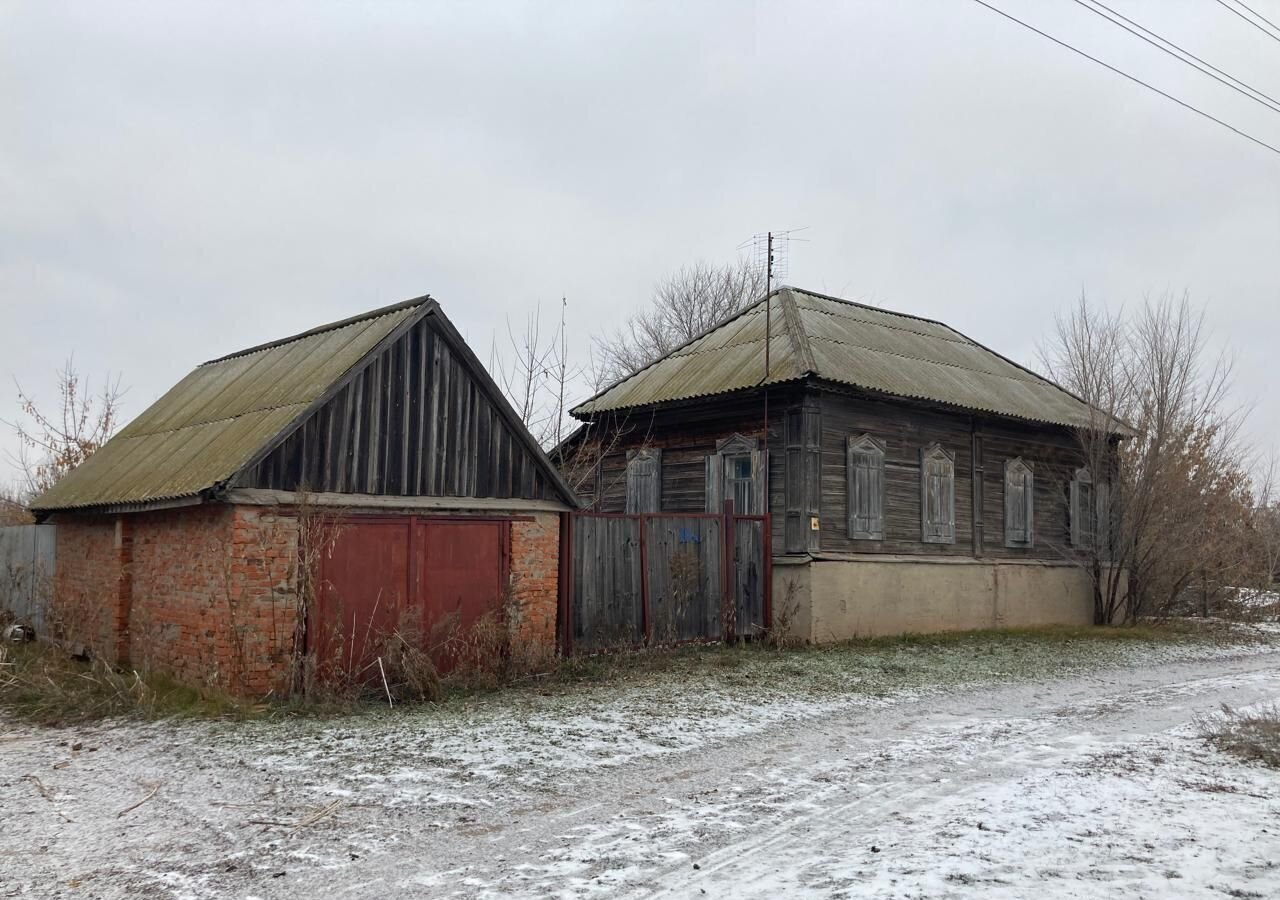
(1134, 79)
(1234, 11)
(1264, 99)
(1258, 14)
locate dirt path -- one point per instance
(1078, 787)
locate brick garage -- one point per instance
(179, 542)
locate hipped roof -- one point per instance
(815, 336)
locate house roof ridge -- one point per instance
(321, 329)
(795, 328)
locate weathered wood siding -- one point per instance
(415, 422)
(904, 429)
(687, 437)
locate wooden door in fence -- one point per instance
(663, 578)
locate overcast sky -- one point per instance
(178, 181)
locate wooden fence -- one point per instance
(27, 559)
(664, 578)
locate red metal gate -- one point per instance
(404, 577)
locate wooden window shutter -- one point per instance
(715, 483)
(644, 480)
(1102, 528)
(865, 466)
(1019, 504)
(759, 482)
(794, 527)
(937, 496)
(1082, 509)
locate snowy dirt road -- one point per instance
(1089, 785)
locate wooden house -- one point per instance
(917, 480)
(376, 451)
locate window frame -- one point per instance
(937, 455)
(1020, 469)
(737, 447)
(860, 448)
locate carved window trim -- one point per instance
(937, 495)
(1019, 503)
(866, 487)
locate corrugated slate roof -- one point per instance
(813, 335)
(212, 422)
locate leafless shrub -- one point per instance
(1178, 487)
(1249, 734)
(13, 508)
(52, 442)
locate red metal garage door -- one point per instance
(363, 589)
(425, 577)
(461, 569)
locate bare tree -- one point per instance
(534, 371)
(1266, 524)
(1177, 485)
(52, 442)
(684, 306)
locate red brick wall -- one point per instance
(535, 576)
(208, 594)
(213, 599)
(87, 613)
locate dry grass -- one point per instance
(1249, 734)
(45, 684)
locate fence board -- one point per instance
(606, 575)
(28, 556)
(748, 573)
(685, 562)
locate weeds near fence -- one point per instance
(43, 683)
(781, 632)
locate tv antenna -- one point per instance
(770, 255)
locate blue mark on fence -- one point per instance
(689, 536)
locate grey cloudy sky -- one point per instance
(178, 181)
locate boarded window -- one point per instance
(738, 472)
(937, 495)
(1090, 512)
(1083, 502)
(1019, 504)
(866, 488)
(644, 480)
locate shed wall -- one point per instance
(416, 421)
(89, 612)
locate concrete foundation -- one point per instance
(822, 600)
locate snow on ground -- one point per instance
(979, 769)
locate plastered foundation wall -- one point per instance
(836, 600)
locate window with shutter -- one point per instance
(866, 488)
(644, 480)
(937, 495)
(1019, 504)
(738, 471)
(1084, 505)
